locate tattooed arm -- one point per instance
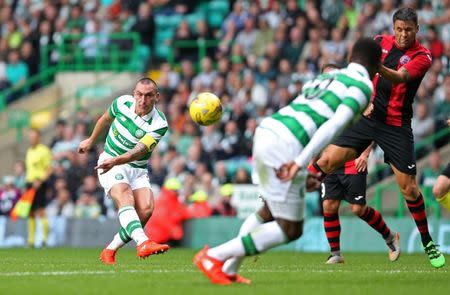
(134, 154)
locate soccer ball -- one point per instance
(205, 109)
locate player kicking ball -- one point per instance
(136, 127)
(283, 146)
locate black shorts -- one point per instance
(349, 187)
(446, 171)
(397, 143)
(40, 198)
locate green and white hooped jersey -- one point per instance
(128, 128)
(319, 101)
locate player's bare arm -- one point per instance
(104, 121)
(134, 154)
(396, 77)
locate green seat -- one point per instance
(219, 5)
(162, 51)
(168, 21)
(215, 19)
(163, 35)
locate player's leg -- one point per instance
(441, 188)
(398, 146)
(373, 218)
(231, 266)
(355, 188)
(332, 193)
(144, 209)
(352, 142)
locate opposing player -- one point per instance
(136, 128)
(349, 183)
(405, 63)
(294, 134)
(441, 188)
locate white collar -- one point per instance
(353, 66)
(147, 116)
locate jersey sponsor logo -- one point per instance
(118, 176)
(404, 60)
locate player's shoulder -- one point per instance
(124, 99)
(159, 118)
(420, 49)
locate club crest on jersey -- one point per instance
(139, 133)
(404, 59)
(119, 176)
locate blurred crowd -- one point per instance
(266, 51)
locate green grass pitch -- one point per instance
(78, 271)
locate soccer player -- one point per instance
(404, 64)
(38, 162)
(136, 128)
(294, 134)
(349, 183)
(441, 188)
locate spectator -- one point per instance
(224, 207)
(87, 206)
(294, 48)
(9, 195)
(20, 175)
(247, 37)
(16, 69)
(166, 222)
(145, 24)
(431, 172)
(199, 207)
(62, 205)
(422, 125)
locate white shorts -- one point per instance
(285, 200)
(135, 177)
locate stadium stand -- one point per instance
(189, 47)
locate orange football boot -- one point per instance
(211, 267)
(108, 256)
(239, 279)
(148, 248)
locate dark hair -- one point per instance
(147, 81)
(367, 52)
(406, 14)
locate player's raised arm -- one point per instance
(104, 121)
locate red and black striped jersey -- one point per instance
(393, 102)
(349, 168)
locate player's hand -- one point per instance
(361, 163)
(448, 122)
(106, 165)
(368, 111)
(288, 171)
(85, 146)
(312, 182)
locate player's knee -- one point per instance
(145, 214)
(330, 206)
(292, 230)
(358, 209)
